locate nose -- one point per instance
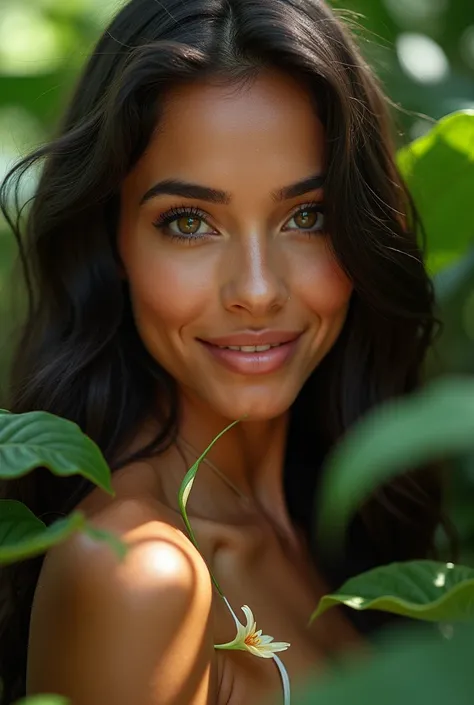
(255, 280)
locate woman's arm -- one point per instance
(131, 633)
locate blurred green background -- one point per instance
(423, 51)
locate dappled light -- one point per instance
(422, 58)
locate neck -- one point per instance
(251, 455)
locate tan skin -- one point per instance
(143, 631)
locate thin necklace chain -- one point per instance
(216, 470)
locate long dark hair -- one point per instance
(79, 355)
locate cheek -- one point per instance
(324, 286)
(167, 292)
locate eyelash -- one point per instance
(173, 214)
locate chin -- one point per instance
(253, 407)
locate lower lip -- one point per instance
(253, 363)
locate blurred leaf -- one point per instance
(454, 287)
(410, 670)
(29, 41)
(118, 546)
(39, 439)
(43, 700)
(454, 282)
(439, 171)
(426, 590)
(23, 535)
(396, 436)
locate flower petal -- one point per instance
(241, 633)
(250, 626)
(265, 639)
(277, 646)
(262, 653)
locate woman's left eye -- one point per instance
(307, 219)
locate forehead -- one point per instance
(261, 134)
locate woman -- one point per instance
(219, 233)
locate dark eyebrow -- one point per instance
(300, 188)
(175, 187)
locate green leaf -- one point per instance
(23, 535)
(395, 437)
(426, 590)
(37, 438)
(186, 486)
(119, 547)
(454, 287)
(439, 171)
(44, 700)
(454, 283)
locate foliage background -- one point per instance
(423, 51)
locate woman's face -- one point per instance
(229, 248)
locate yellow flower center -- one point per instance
(252, 639)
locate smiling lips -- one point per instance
(253, 353)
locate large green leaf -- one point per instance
(391, 439)
(426, 590)
(439, 171)
(37, 438)
(23, 535)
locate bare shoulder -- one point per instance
(136, 631)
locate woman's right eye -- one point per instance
(187, 226)
(184, 224)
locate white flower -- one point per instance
(249, 639)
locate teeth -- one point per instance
(249, 348)
(254, 348)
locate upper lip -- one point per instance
(264, 337)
